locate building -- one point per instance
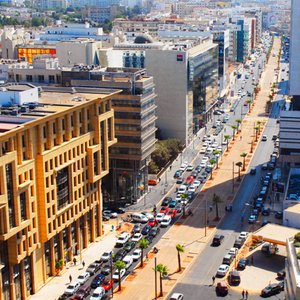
(292, 280)
(135, 129)
(101, 14)
(27, 52)
(294, 75)
(53, 156)
(67, 32)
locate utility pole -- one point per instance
(155, 278)
(233, 177)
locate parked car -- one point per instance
(106, 256)
(252, 219)
(149, 238)
(243, 262)
(128, 260)
(177, 296)
(120, 255)
(178, 173)
(166, 201)
(154, 231)
(107, 284)
(83, 278)
(239, 243)
(115, 276)
(252, 171)
(136, 237)
(278, 214)
(173, 204)
(222, 288)
(97, 281)
(146, 229)
(166, 221)
(98, 293)
(266, 211)
(136, 228)
(164, 210)
(190, 168)
(72, 288)
(234, 277)
(153, 222)
(83, 292)
(217, 240)
(105, 270)
(223, 269)
(93, 268)
(136, 254)
(159, 217)
(233, 251)
(272, 289)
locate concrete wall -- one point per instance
(170, 78)
(17, 97)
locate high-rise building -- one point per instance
(53, 156)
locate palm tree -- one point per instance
(243, 155)
(143, 244)
(238, 122)
(227, 138)
(119, 266)
(180, 249)
(239, 164)
(258, 124)
(216, 153)
(216, 200)
(256, 133)
(249, 104)
(212, 162)
(163, 271)
(234, 128)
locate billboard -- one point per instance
(29, 53)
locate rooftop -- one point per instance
(295, 208)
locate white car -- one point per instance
(128, 260)
(223, 269)
(159, 217)
(98, 294)
(166, 221)
(203, 150)
(192, 188)
(83, 278)
(196, 183)
(182, 189)
(148, 215)
(136, 254)
(115, 276)
(233, 251)
(123, 239)
(209, 150)
(243, 235)
(72, 288)
(109, 212)
(190, 168)
(178, 197)
(203, 164)
(177, 296)
(183, 167)
(137, 237)
(205, 158)
(106, 256)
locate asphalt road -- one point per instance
(198, 279)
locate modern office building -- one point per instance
(294, 75)
(53, 156)
(135, 116)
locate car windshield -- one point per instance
(96, 295)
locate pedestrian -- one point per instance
(210, 208)
(170, 167)
(243, 294)
(70, 278)
(247, 294)
(226, 208)
(147, 258)
(213, 280)
(241, 137)
(252, 260)
(83, 264)
(74, 261)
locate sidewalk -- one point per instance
(191, 231)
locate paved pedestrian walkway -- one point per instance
(191, 231)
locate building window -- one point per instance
(96, 163)
(63, 190)
(23, 206)
(29, 78)
(51, 79)
(41, 78)
(10, 195)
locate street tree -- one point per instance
(256, 133)
(212, 162)
(239, 165)
(180, 249)
(143, 244)
(163, 271)
(234, 128)
(243, 155)
(249, 102)
(216, 153)
(216, 200)
(227, 138)
(119, 266)
(238, 123)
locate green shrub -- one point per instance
(298, 255)
(297, 244)
(297, 237)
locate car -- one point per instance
(183, 167)
(154, 231)
(93, 268)
(223, 269)
(166, 201)
(203, 150)
(205, 158)
(190, 196)
(278, 214)
(136, 237)
(255, 212)
(106, 256)
(217, 240)
(177, 296)
(122, 239)
(196, 183)
(178, 173)
(266, 211)
(148, 215)
(217, 113)
(252, 219)
(164, 210)
(130, 245)
(180, 180)
(136, 254)
(243, 235)
(178, 197)
(172, 204)
(272, 289)
(192, 188)
(166, 221)
(194, 174)
(120, 255)
(190, 168)
(234, 277)
(83, 278)
(159, 217)
(265, 222)
(107, 284)
(136, 228)
(238, 243)
(203, 164)
(182, 189)
(179, 208)
(153, 222)
(118, 273)
(190, 179)
(149, 238)
(222, 288)
(274, 137)
(111, 213)
(83, 292)
(243, 262)
(233, 251)
(146, 229)
(264, 138)
(172, 213)
(264, 167)
(98, 294)
(252, 171)
(128, 260)
(72, 288)
(105, 270)
(97, 281)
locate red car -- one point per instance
(152, 222)
(172, 213)
(190, 179)
(107, 284)
(164, 210)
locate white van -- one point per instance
(123, 239)
(128, 260)
(139, 218)
(182, 189)
(98, 293)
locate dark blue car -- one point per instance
(97, 281)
